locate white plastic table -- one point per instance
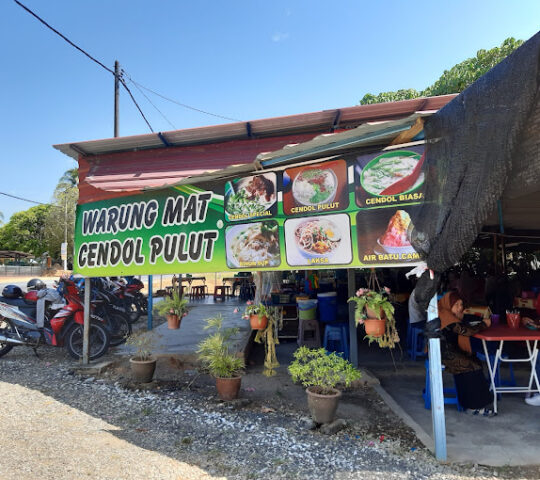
(501, 334)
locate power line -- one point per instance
(130, 79)
(182, 104)
(23, 199)
(88, 55)
(150, 101)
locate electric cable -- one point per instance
(150, 101)
(23, 199)
(122, 81)
(180, 103)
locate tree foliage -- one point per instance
(455, 80)
(43, 228)
(25, 231)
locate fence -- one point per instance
(22, 270)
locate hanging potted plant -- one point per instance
(215, 354)
(174, 308)
(376, 313)
(320, 371)
(142, 363)
(257, 314)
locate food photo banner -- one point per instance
(350, 211)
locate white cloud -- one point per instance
(279, 37)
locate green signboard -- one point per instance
(352, 211)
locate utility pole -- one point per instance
(116, 96)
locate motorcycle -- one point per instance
(63, 326)
(129, 291)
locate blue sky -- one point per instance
(241, 59)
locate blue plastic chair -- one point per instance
(415, 342)
(336, 338)
(449, 394)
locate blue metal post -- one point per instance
(436, 386)
(150, 302)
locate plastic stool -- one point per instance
(498, 382)
(309, 333)
(449, 394)
(219, 292)
(336, 338)
(415, 342)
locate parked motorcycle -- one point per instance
(63, 326)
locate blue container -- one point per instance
(327, 307)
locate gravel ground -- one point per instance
(57, 424)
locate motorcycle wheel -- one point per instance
(5, 328)
(99, 339)
(142, 302)
(134, 311)
(120, 328)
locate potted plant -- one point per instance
(375, 311)
(174, 308)
(257, 314)
(215, 354)
(320, 371)
(143, 364)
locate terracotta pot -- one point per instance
(258, 322)
(375, 327)
(173, 322)
(374, 314)
(228, 388)
(322, 407)
(142, 371)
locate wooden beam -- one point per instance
(408, 135)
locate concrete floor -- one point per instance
(184, 340)
(511, 438)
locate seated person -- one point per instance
(472, 387)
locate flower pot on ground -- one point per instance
(257, 314)
(142, 371)
(322, 407)
(215, 354)
(375, 312)
(320, 371)
(174, 308)
(142, 363)
(228, 388)
(173, 321)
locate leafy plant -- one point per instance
(319, 368)
(174, 305)
(255, 309)
(376, 301)
(214, 351)
(143, 342)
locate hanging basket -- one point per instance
(375, 327)
(258, 322)
(373, 314)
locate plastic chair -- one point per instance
(415, 342)
(449, 394)
(309, 334)
(336, 338)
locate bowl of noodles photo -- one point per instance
(253, 245)
(317, 237)
(389, 168)
(315, 186)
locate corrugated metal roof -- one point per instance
(315, 122)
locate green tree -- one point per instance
(25, 231)
(455, 80)
(60, 225)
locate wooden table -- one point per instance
(501, 334)
(190, 280)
